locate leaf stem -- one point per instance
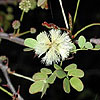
(94, 24)
(22, 76)
(21, 18)
(78, 2)
(22, 33)
(4, 90)
(64, 16)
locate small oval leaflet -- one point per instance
(76, 73)
(39, 76)
(97, 46)
(66, 85)
(30, 42)
(76, 83)
(28, 49)
(46, 71)
(88, 45)
(51, 78)
(36, 87)
(81, 41)
(69, 67)
(74, 47)
(57, 66)
(60, 73)
(46, 86)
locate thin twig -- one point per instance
(9, 84)
(84, 28)
(78, 2)
(4, 90)
(10, 37)
(95, 41)
(22, 76)
(65, 20)
(8, 1)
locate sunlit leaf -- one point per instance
(88, 45)
(76, 73)
(46, 71)
(76, 83)
(51, 78)
(39, 76)
(46, 85)
(36, 87)
(57, 66)
(60, 73)
(30, 42)
(81, 41)
(71, 66)
(66, 85)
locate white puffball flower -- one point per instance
(56, 46)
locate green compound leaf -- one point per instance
(39, 76)
(36, 87)
(81, 41)
(46, 71)
(51, 78)
(88, 45)
(66, 85)
(46, 86)
(76, 83)
(30, 42)
(76, 73)
(69, 67)
(57, 66)
(60, 73)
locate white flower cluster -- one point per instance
(25, 5)
(55, 46)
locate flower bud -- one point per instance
(16, 24)
(25, 5)
(32, 30)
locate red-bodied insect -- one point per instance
(51, 25)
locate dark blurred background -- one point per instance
(25, 64)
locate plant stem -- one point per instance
(94, 24)
(14, 31)
(22, 33)
(64, 16)
(22, 76)
(4, 90)
(78, 2)
(21, 18)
